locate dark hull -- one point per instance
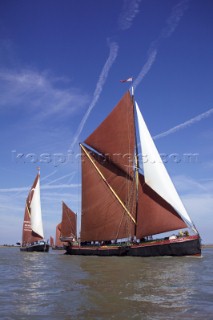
(186, 246)
(36, 248)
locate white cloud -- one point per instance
(197, 198)
(33, 91)
(200, 209)
(208, 165)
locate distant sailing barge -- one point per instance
(32, 233)
(121, 202)
(66, 229)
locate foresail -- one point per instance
(35, 210)
(155, 173)
(155, 215)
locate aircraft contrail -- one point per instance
(130, 10)
(102, 78)
(185, 124)
(171, 24)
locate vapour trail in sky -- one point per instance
(129, 11)
(146, 68)
(102, 78)
(185, 124)
(24, 189)
(61, 178)
(171, 24)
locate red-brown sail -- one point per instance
(115, 137)
(58, 242)
(27, 230)
(28, 236)
(30, 195)
(155, 215)
(68, 224)
(103, 216)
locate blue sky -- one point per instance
(60, 66)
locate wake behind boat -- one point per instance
(126, 198)
(32, 233)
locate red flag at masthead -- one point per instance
(127, 80)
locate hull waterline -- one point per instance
(36, 248)
(189, 246)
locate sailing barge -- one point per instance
(32, 232)
(66, 230)
(126, 198)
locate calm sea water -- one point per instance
(55, 286)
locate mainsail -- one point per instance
(108, 193)
(32, 225)
(118, 201)
(100, 202)
(115, 137)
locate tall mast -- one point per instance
(136, 159)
